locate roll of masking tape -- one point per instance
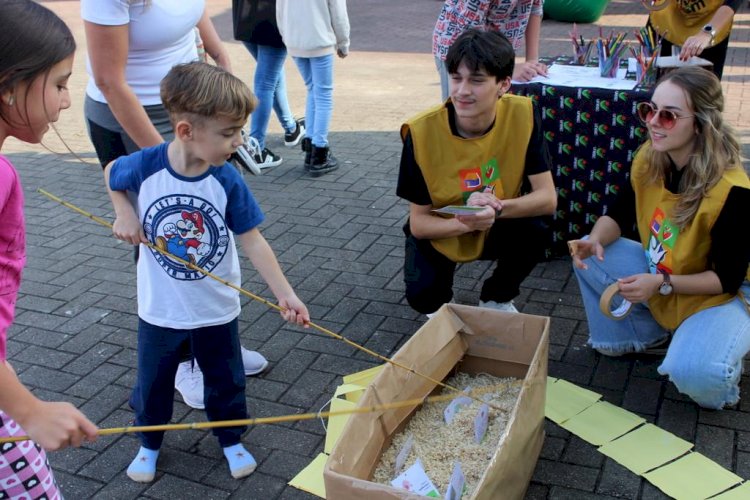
(605, 304)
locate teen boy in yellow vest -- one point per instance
(481, 148)
(699, 27)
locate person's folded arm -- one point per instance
(108, 54)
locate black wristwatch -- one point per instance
(666, 286)
(709, 29)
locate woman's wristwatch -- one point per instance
(710, 31)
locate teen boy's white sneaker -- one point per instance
(500, 306)
(253, 362)
(189, 383)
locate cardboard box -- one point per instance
(472, 340)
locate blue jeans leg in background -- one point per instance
(269, 85)
(704, 359)
(317, 73)
(638, 330)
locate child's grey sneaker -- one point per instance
(292, 138)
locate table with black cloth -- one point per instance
(592, 135)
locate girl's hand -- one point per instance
(583, 249)
(56, 425)
(294, 310)
(640, 287)
(128, 228)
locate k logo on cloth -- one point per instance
(190, 228)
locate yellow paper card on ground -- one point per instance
(565, 400)
(310, 479)
(364, 377)
(336, 423)
(692, 476)
(352, 392)
(601, 423)
(645, 448)
(739, 493)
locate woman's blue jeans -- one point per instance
(317, 73)
(269, 85)
(704, 359)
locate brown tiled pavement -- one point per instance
(339, 240)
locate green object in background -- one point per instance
(578, 11)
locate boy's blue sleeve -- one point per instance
(124, 174)
(243, 211)
(128, 172)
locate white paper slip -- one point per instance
(458, 210)
(481, 421)
(456, 485)
(450, 411)
(401, 457)
(415, 479)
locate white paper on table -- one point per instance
(563, 75)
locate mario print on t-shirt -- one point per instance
(662, 237)
(186, 234)
(190, 228)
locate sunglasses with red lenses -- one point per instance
(667, 118)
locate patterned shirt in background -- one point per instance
(509, 17)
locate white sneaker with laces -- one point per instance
(262, 157)
(253, 362)
(189, 383)
(500, 306)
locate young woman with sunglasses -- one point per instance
(685, 271)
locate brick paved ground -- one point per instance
(339, 240)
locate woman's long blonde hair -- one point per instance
(716, 146)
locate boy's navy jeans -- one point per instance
(217, 351)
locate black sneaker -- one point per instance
(307, 149)
(322, 161)
(293, 138)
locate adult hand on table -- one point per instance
(526, 71)
(695, 45)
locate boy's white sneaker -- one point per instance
(189, 383)
(500, 306)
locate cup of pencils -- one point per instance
(581, 49)
(610, 50)
(649, 47)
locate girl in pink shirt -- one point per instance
(34, 70)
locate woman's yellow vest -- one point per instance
(678, 251)
(454, 167)
(684, 18)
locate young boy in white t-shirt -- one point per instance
(191, 205)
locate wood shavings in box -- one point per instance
(439, 445)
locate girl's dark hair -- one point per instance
(32, 40)
(488, 50)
